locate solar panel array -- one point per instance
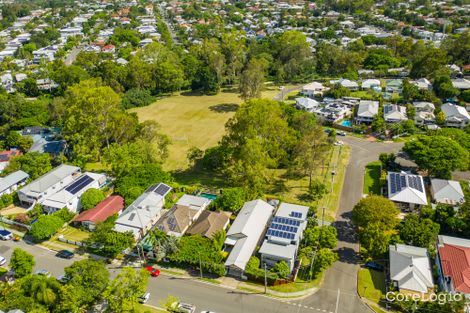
(296, 214)
(291, 229)
(286, 221)
(160, 189)
(399, 182)
(415, 182)
(280, 234)
(79, 184)
(171, 223)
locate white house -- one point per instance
(351, 85)
(394, 113)
(456, 115)
(139, 217)
(366, 111)
(422, 84)
(306, 104)
(406, 190)
(245, 234)
(69, 196)
(410, 270)
(313, 89)
(284, 235)
(424, 113)
(371, 84)
(38, 190)
(12, 182)
(461, 83)
(447, 191)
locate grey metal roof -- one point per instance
(447, 191)
(12, 179)
(368, 108)
(194, 202)
(50, 178)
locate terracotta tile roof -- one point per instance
(103, 210)
(455, 262)
(5, 156)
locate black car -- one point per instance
(374, 266)
(65, 254)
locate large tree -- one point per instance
(46, 226)
(34, 163)
(91, 198)
(22, 262)
(322, 236)
(123, 292)
(375, 209)
(89, 279)
(94, 119)
(421, 232)
(252, 80)
(438, 155)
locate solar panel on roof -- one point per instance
(162, 189)
(79, 184)
(131, 217)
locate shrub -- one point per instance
(136, 97)
(46, 226)
(65, 215)
(91, 198)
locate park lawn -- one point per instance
(194, 120)
(372, 178)
(371, 284)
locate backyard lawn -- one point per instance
(193, 120)
(372, 178)
(371, 284)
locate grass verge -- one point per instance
(147, 308)
(372, 178)
(371, 284)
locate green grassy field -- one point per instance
(371, 284)
(372, 178)
(193, 120)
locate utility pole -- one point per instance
(311, 265)
(200, 265)
(265, 279)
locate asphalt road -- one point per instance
(70, 58)
(337, 294)
(342, 276)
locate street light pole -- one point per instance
(265, 279)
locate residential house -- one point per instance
(424, 113)
(284, 235)
(453, 265)
(346, 83)
(333, 112)
(461, 83)
(5, 157)
(245, 234)
(447, 191)
(306, 104)
(139, 217)
(410, 270)
(366, 111)
(394, 86)
(209, 223)
(106, 208)
(46, 84)
(12, 182)
(373, 84)
(109, 49)
(406, 190)
(69, 196)
(456, 115)
(394, 113)
(422, 84)
(182, 215)
(51, 182)
(313, 89)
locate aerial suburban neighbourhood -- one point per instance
(222, 156)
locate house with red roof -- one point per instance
(109, 206)
(453, 264)
(5, 157)
(109, 49)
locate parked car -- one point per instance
(144, 298)
(6, 235)
(43, 272)
(207, 312)
(374, 266)
(65, 254)
(3, 261)
(154, 272)
(339, 143)
(63, 279)
(341, 133)
(186, 308)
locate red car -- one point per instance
(153, 271)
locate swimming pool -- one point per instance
(346, 123)
(209, 196)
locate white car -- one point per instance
(186, 308)
(43, 272)
(144, 298)
(339, 143)
(3, 261)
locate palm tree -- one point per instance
(44, 290)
